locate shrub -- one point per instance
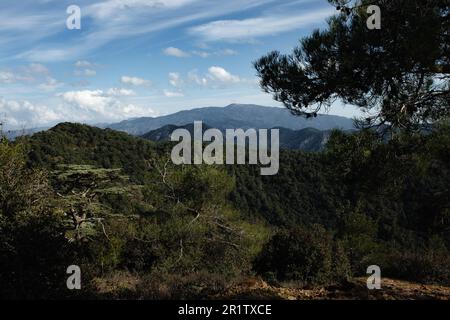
(198, 285)
(426, 264)
(33, 250)
(303, 254)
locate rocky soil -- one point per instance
(355, 289)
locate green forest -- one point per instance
(115, 205)
(140, 227)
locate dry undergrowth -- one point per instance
(127, 286)
(355, 289)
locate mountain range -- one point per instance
(309, 139)
(295, 132)
(235, 116)
(13, 134)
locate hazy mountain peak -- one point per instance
(235, 116)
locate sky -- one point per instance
(135, 58)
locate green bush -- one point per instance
(357, 234)
(33, 249)
(306, 255)
(429, 263)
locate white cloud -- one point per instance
(173, 94)
(135, 81)
(109, 21)
(37, 68)
(175, 79)
(121, 92)
(24, 114)
(175, 52)
(219, 53)
(228, 52)
(202, 54)
(90, 72)
(86, 73)
(22, 25)
(87, 106)
(87, 99)
(195, 78)
(7, 77)
(85, 68)
(81, 83)
(222, 75)
(216, 77)
(105, 9)
(83, 64)
(32, 74)
(249, 29)
(50, 84)
(133, 111)
(97, 105)
(45, 55)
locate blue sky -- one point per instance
(136, 58)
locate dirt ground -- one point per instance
(355, 289)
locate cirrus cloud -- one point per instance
(121, 92)
(252, 28)
(83, 64)
(173, 94)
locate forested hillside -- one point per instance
(385, 203)
(79, 144)
(116, 206)
(140, 227)
(308, 139)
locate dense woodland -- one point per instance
(114, 205)
(142, 228)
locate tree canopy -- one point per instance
(397, 75)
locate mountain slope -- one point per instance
(69, 143)
(309, 139)
(235, 116)
(163, 134)
(14, 134)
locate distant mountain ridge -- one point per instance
(163, 134)
(235, 116)
(309, 139)
(295, 132)
(13, 134)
